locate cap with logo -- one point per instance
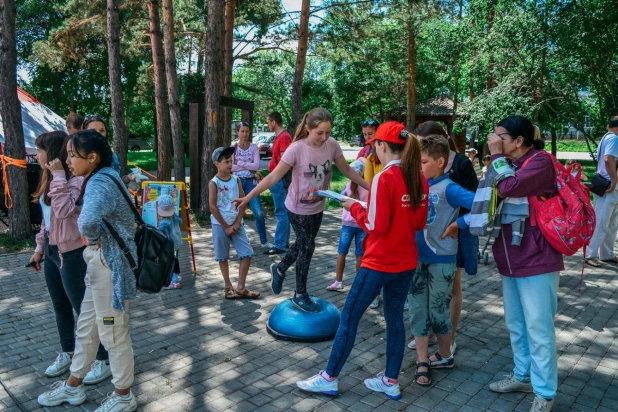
(166, 206)
(221, 151)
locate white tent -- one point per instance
(36, 119)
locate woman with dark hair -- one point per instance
(531, 269)
(74, 122)
(245, 165)
(110, 282)
(60, 242)
(462, 172)
(98, 123)
(368, 128)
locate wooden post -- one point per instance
(195, 147)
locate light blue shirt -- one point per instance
(46, 212)
(608, 146)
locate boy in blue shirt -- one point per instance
(432, 284)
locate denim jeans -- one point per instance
(65, 283)
(256, 208)
(467, 251)
(346, 235)
(365, 288)
(282, 232)
(530, 305)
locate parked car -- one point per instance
(265, 146)
(137, 143)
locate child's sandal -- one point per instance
(441, 362)
(426, 374)
(230, 293)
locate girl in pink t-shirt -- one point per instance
(311, 157)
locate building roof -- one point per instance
(438, 106)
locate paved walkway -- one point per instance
(195, 351)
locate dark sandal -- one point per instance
(593, 262)
(441, 362)
(613, 261)
(230, 293)
(426, 374)
(247, 294)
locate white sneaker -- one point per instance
(541, 404)
(117, 403)
(377, 385)
(432, 341)
(267, 245)
(375, 303)
(99, 372)
(406, 306)
(319, 384)
(510, 384)
(60, 394)
(453, 348)
(60, 365)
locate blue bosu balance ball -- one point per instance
(287, 322)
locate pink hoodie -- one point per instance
(63, 232)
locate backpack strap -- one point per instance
(123, 191)
(533, 200)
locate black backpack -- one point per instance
(155, 251)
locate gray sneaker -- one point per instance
(305, 303)
(60, 394)
(117, 403)
(541, 404)
(511, 384)
(60, 365)
(375, 303)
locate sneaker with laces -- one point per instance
(99, 371)
(319, 384)
(432, 341)
(304, 302)
(377, 384)
(267, 245)
(541, 404)
(60, 365)
(375, 303)
(510, 384)
(277, 280)
(60, 394)
(117, 403)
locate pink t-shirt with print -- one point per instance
(312, 171)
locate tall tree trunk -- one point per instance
(213, 85)
(10, 111)
(172, 90)
(121, 143)
(457, 58)
(230, 10)
(490, 65)
(411, 89)
(164, 165)
(299, 72)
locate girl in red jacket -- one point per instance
(397, 208)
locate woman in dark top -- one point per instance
(462, 172)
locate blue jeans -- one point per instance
(256, 208)
(365, 288)
(346, 235)
(530, 305)
(282, 231)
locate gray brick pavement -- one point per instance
(196, 351)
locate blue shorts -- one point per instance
(467, 251)
(346, 235)
(222, 242)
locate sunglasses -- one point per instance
(94, 117)
(370, 123)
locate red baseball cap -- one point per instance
(393, 132)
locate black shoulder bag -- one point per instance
(155, 251)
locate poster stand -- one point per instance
(151, 190)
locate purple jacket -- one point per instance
(534, 256)
(64, 213)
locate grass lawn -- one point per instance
(10, 245)
(570, 146)
(147, 160)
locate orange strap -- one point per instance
(153, 176)
(6, 162)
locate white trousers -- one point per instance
(99, 322)
(602, 242)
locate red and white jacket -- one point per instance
(390, 222)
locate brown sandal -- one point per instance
(247, 294)
(230, 293)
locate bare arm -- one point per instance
(241, 209)
(348, 172)
(212, 202)
(266, 183)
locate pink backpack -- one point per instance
(566, 220)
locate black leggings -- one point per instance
(306, 228)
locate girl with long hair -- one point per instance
(397, 208)
(311, 155)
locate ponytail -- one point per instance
(310, 121)
(411, 168)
